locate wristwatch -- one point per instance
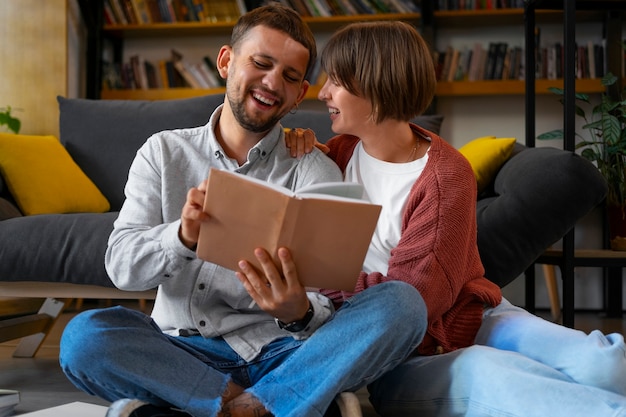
(298, 325)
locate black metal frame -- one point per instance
(568, 260)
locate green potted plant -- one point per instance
(12, 123)
(605, 146)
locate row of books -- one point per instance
(479, 4)
(124, 12)
(328, 8)
(500, 61)
(495, 62)
(138, 73)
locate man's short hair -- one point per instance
(276, 16)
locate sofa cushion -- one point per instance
(56, 248)
(539, 194)
(42, 177)
(103, 135)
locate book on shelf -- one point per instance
(209, 66)
(118, 12)
(490, 63)
(185, 70)
(222, 10)
(452, 65)
(142, 13)
(8, 400)
(327, 227)
(109, 15)
(299, 6)
(139, 72)
(346, 7)
(452, 5)
(317, 8)
(498, 66)
(475, 68)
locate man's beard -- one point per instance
(250, 123)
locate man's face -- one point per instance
(265, 78)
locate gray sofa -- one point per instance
(536, 197)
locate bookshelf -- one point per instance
(430, 21)
(114, 36)
(611, 13)
(508, 20)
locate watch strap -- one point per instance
(298, 325)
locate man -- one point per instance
(218, 346)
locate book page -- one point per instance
(340, 189)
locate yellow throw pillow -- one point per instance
(43, 178)
(486, 155)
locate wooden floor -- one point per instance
(42, 384)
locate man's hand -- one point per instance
(278, 294)
(192, 216)
(302, 141)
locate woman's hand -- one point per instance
(279, 294)
(192, 216)
(302, 141)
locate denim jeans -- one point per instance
(121, 353)
(521, 366)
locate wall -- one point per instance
(36, 64)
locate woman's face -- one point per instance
(349, 114)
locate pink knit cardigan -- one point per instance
(437, 252)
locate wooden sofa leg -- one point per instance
(553, 291)
(29, 345)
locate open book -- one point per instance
(326, 226)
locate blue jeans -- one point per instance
(120, 353)
(521, 366)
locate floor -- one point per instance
(42, 384)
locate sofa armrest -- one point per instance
(540, 194)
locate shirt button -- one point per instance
(201, 286)
(202, 323)
(167, 275)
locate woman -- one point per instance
(481, 356)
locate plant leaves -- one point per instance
(554, 134)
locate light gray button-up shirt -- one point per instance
(145, 252)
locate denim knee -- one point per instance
(407, 302)
(396, 304)
(84, 337)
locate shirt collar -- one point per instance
(259, 151)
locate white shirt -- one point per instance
(387, 184)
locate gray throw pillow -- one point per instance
(102, 136)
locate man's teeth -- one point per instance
(264, 100)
